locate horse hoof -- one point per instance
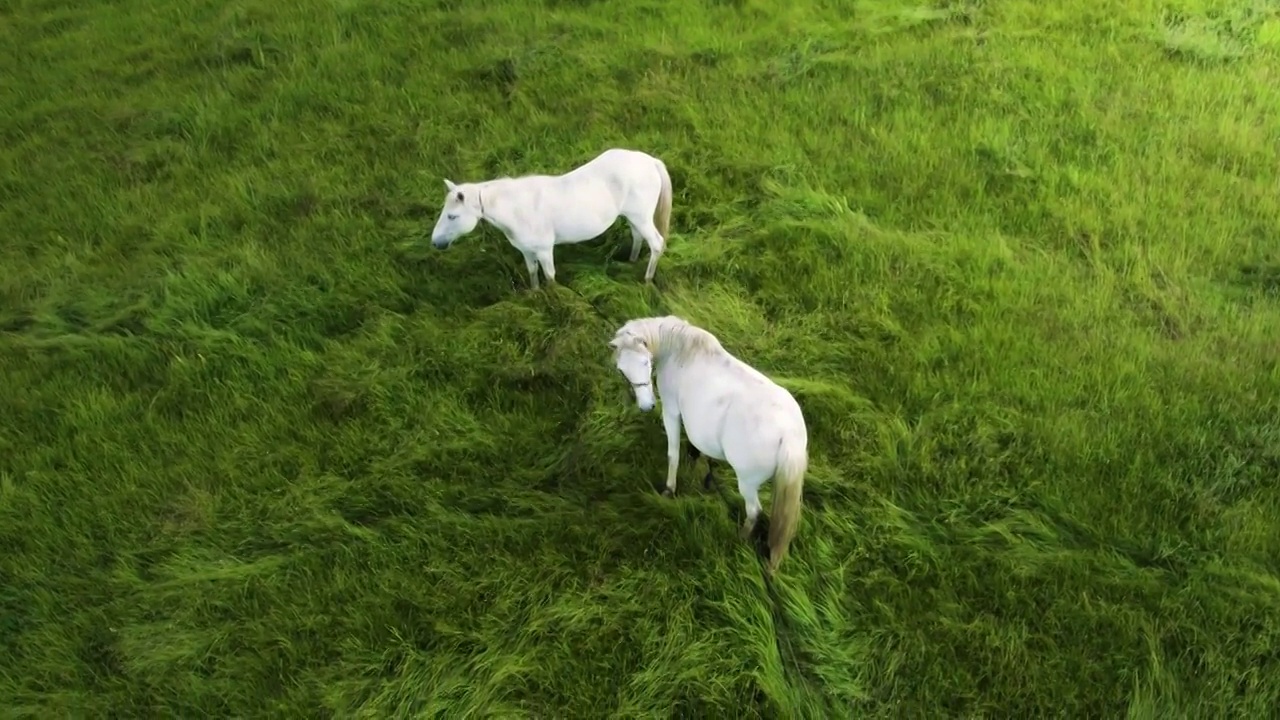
(668, 492)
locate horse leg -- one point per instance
(671, 423)
(694, 454)
(548, 264)
(657, 245)
(750, 492)
(636, 240)
(531, 264)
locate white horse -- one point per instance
(729, 410)
(538, 212)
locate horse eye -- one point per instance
(453, 217)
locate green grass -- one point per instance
(264, 452)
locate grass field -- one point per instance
(265, 453)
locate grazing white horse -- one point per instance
(538, 212)
(729, 410)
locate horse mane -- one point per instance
(671, 337)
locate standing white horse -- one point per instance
(729, 410)
(538, 212)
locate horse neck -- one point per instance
(680, 341)
(490, 195)
(489, 191)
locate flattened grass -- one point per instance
(263, 451)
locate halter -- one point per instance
(640, 385)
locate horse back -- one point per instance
(620, 165)
(739, 384)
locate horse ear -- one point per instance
(616, 342)
(449, 185)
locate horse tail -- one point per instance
(662, 212)
(784, 517)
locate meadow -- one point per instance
(266, 453)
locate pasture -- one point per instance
(264, 452)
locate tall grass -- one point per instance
(264, 452)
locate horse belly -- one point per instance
(703, 428)
(584, 213)
(707, 443)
